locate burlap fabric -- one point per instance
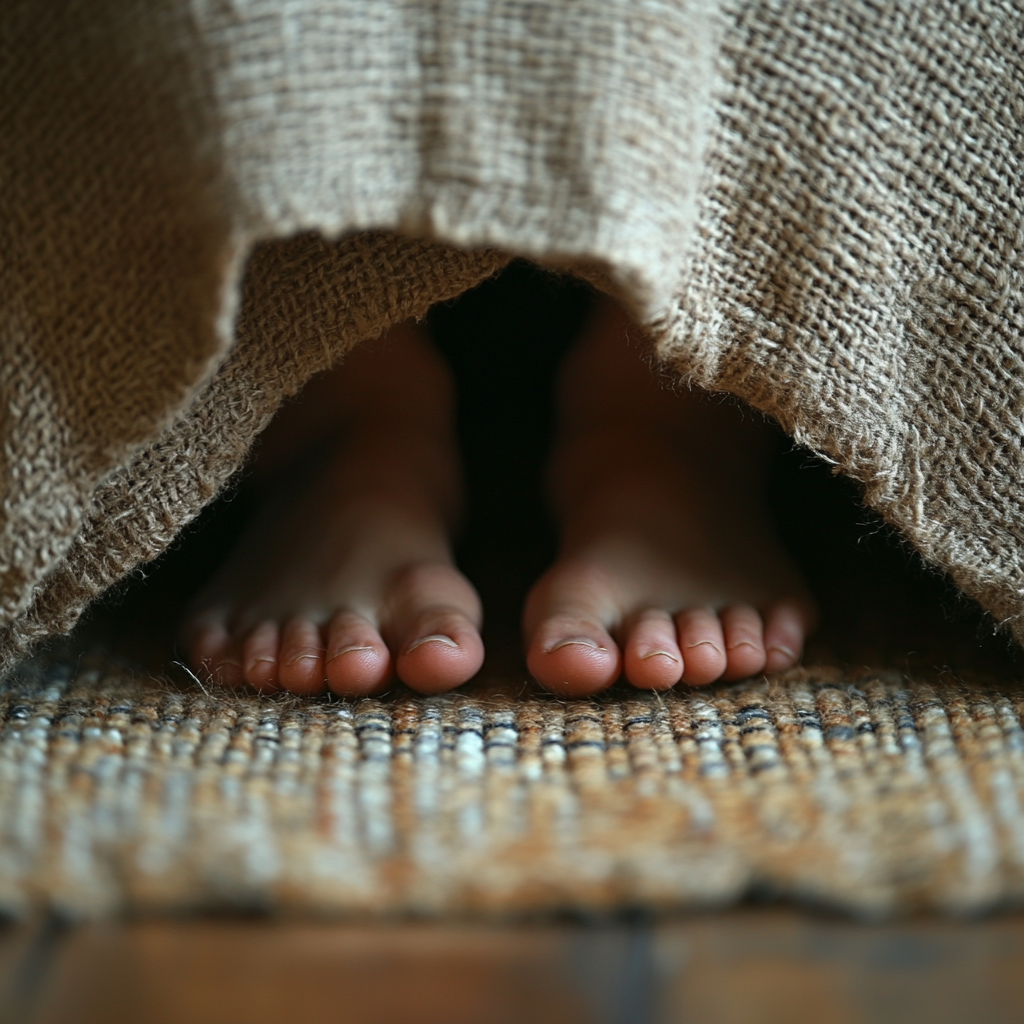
(878, 796)
(814, 205)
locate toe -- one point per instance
(301, 666)
(785, 626)
(573, 656)
(651, 657)
(206, 643)
(433, 628)
(213, 651)
(441, 650)
(744, 641)
(259, 656)
(702, 643)
(357, 662)
(568, 647)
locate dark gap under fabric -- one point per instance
(504, 341)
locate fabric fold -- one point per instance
(814, 206)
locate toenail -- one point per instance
(349, 650)
(784, 650)
(659, 654)
(580, 641)
(742, 643)
(302, 657)
(703, 643)
(439, 637)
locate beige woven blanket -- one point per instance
(814, 204)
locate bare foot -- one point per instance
(669, 568)
(346, 578)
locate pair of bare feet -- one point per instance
(669, 569)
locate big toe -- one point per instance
(568, 647)
(573, 654)
(434, 629)
(442, 650)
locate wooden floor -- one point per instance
(763, 966)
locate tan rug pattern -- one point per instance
(876, 795)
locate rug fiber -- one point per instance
(878, 794)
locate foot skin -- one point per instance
(346, 578)
(669, 569)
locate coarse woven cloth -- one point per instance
(813, 205)
(877, 795)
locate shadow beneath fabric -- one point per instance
(504, 340)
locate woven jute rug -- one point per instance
(877, 794)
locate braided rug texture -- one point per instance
(876, 795)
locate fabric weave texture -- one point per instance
(812, 205)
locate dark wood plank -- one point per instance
(257, 973)
(756, 966)
(781, 967)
